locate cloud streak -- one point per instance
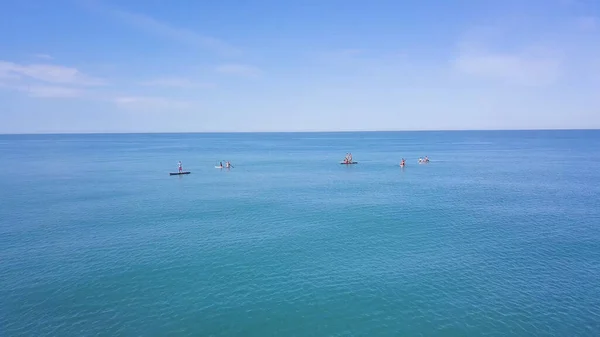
(47, 73)
(43, 91)
(57, 81)
(43, 56)
(517, 68)
(528, 59)
(239, 70)
(150, 103)
(536, 55)
(164, 30)
(588, 23)
(46, 80)
(175, 82)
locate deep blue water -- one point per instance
(499, 235)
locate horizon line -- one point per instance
(300, 131)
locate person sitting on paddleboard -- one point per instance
(180, 167)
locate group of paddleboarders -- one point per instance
(348, 158)
(227, 164)
(421, 161)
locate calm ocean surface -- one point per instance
(499, 235)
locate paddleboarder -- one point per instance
(180, 167)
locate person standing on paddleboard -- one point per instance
(180, 167)
(348, 158)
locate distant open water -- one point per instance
(499, 235)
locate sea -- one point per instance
(498, 235)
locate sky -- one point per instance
(77, 66)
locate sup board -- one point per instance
(354, 162)
(178, 173)
(219, 166)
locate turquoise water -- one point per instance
(499, 235)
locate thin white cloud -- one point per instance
(239, 70)
(569, 3)
(46, 80)
(43, 56)
(537, 55)
(337, 55)
(158, 28)
(175, 83)
(588, 23)
(484, 52)
(47, 73)
(182, 35)
(351, 51)
(44, 91)
(150, 103)
(513, 68)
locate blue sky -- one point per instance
(309, 65)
